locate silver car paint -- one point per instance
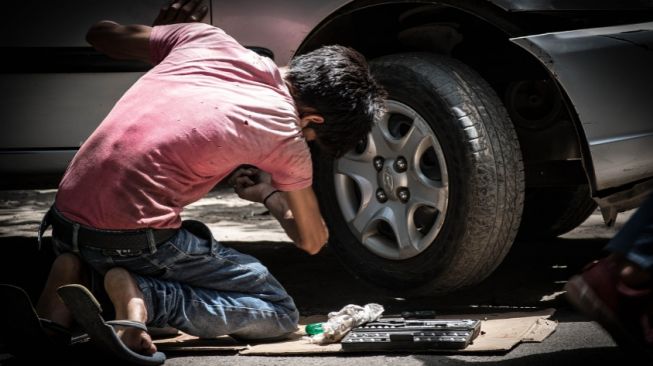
(59, 110)
(608, 75)
(548, 5)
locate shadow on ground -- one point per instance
(532, 275)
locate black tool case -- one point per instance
(406, 334)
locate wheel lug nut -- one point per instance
(378, 163)
(381, 196)
(401, 165)
(404, 194)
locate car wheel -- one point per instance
(553, 211)
(431, 200)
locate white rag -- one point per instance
(341, 322)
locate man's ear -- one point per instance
(312, 118)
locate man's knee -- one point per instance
(115, 278)
(267, 331)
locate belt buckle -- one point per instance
(122, 252)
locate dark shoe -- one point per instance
(625, 312)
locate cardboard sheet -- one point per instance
(500, 332)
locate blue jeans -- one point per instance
(203, 288)
(635, 239)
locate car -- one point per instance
(506, 119)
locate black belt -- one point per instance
(66, 230)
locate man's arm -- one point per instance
(299, 214)
(131, 42)
(124, 42)
(297, 211)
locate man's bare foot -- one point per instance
(128, 301)
(137, 340)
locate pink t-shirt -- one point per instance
(208, 106)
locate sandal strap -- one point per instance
(62, 333)
(127, 323)
(56, 327)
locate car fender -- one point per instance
(607, 76)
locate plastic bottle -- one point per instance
(314, 328)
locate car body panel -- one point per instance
(70, 106)
(49, 163)
(56, 88)
(50, 106)
(607, 74)
(548, 5)
(46, 103)
(64, 23)
(281, 25)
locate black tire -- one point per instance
(485, 185)
(553, 211)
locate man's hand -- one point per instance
(132, 42)
(251, 184)
(181, 11)
(297, 211)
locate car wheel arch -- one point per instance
(496, 28)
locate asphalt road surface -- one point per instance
(531, 277)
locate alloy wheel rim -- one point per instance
(393, 189)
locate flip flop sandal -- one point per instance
(21, 328)
(86, 310)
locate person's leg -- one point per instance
(617, 291)
(129, 304)
(632, 248)
(640, 269)
(208, 313)
(66, 269)
(197, 285)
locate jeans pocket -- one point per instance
(198, 229)
(194, 239)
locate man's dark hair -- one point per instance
(335, 80)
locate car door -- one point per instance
(55, 88)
